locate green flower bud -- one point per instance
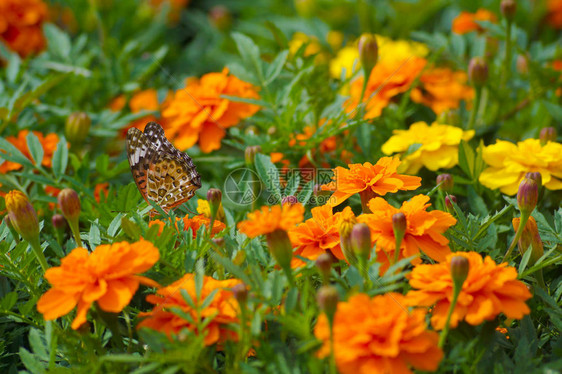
(361, 240)
(69, 204)
(22, 216)
(508, 8)
(327, 298)
(250, 154)
(324, 264)
(220, 17)
(77, 127)
(459, 271)
(478, 71)
(280, 247)
(368, 52)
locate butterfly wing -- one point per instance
(140, 154)
(171, 176)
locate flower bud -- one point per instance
(69, 204)
(449, 117)
(305, 8)
(22, 216)
(527, 195)
(240, 292)
(324, 264)
(522, 64)
(280, 247)
(459, 271)
(327, 298)
(536, 176)
(529, 238)
(361, 240)
(399, 225)
(346, 226)
(250, 154)
(508, 8)
(220, 17)
(289, 200)
(548, 134)
(11, 228)
(445, 182)
(214, 197)
(77, 127)
(368, 52)
(219, 242)
(478, 71)
(58, 221)
(449, 200)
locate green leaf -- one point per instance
(555, 110)
(59, 41)
(30, 361)
(268, 173)
(60, 158)
(131, 229)
(250, 53)
(466, 159)
(9, 300)
(35, 148)
(37, 344)
(11, 153)
(276, 66)
(13, 69)
(94, 237)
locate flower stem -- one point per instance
(333, 369)
(478, 93)
(38, 251)
(522, 223)
(75, 232)
(507, 57)
(445, 331)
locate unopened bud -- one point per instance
(69, 204)
(449, 117)
(324, 264)
(522, 64)
(508, 8)
(478, 71)
(240, 292)
(220, 17)
(548, 134)
(289, 200)
(327, 298)
(346, 226)
(58, 221)
(527, 195)
(361, 240)
(445, 182)
(459, 271)
(280, 247)
(214, 197)
(529, 238)
(22, 216)
(368, 52)
(536, 176)
(250, 154)
(219, 242)
(13, 231)
(77, 127)
(399, 225)
(449, 200)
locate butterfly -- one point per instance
(162, 173)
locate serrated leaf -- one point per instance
(130, 228)
(60, 158)
(466, 159)
(268, 173)
(115, 225)
(37, 345)
(30, 361)
(249, 52)
(9, 300)
(35, 148)
(11, 153)
(276, 66)
(94, 237)
(59, 41)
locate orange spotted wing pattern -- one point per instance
(162, 173)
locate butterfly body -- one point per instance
(162, 173)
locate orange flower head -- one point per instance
(442, 89)
(379, 335)
(378, 179)
(48, 142)
(489, 289)
(466, 21)
(216, 315)
(317, 235)
(199, 114)
(269, 219)
(554, 13)
(21, 25)
(385, 81)
(107, 276)
(194, 223)
(424, 229)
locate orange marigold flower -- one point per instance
(194, 223)
(107, 276)
(386, 81)
(466, 21)
(268, 219)
(175, 7)
(378, 179)
(198, 113)
(442, 89)
(489, 289)
(317, 235)
(49, 143)
(379, 335)
(554, 13)
(215, 316)
(424, 229)
(101, 189)
(21, 25)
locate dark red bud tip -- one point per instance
(69, 204)
(548, 134)
(58, 221)
(240, 292)
(536, 176)
(445, 182)
(449, 200)
(289, 200)
(508, 8)
(214, 196)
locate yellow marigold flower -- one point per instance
(379, 335)
(489, 289)
(198, 113)
(346, 59)
(508, 163)
(21, 25)
(369, 180)
(299, 39)
(438, 146)
(442, 89)
(269, 219)
(204, 209)
(215, 316)
(107, 276)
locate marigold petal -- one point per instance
(119, 294)
(55, 303)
